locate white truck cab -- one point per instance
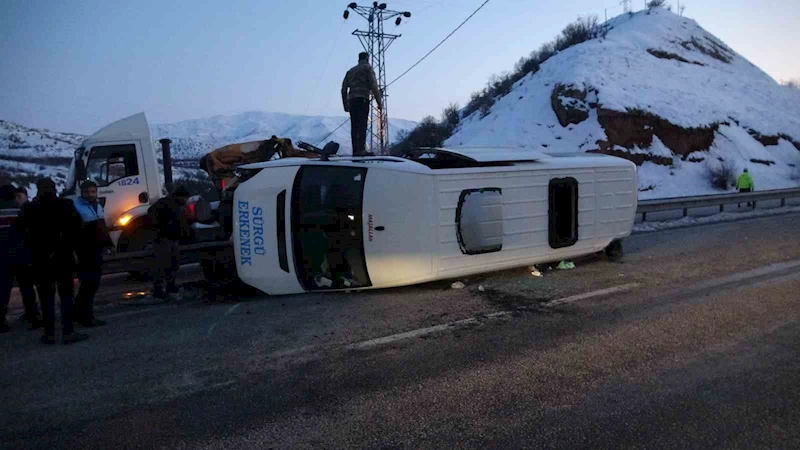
(121, 159)
(375, 222)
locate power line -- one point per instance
(418, 62)
(329, 134)
(376, 42)
(440, 43)
(325, 67)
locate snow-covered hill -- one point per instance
(29, 153)
(660, 90)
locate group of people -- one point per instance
(40, 249)
(45, 241)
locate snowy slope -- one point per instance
(23, 142)
(659, 71)
(28, 153)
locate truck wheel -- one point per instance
(141, 240)
(614, 251)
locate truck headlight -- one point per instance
(124, 220)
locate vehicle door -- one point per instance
(119, 173)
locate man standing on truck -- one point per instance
(50, 226)
(14, 262)
(358, 84)
(170, 226)
(93, 239)
(745, 184)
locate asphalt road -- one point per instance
(693, 345)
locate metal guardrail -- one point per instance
(700, 201)
(200, 246)
(143, 261)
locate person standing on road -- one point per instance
(745, 184)
(170, 226)
(25, 274)
(50, 226)
(92, 242)
(14, 262)
(358, 84)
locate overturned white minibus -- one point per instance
(376, 222)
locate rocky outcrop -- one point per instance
(667, 55)
(765, 162)
(636, 128)
(710, 48)
(569, 104)
(636, 158)
(764, 138)
(768, 139)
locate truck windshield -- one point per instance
(327, 227)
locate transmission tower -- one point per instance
(376, 42)
(626, 5)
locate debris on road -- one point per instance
(566, 265)
(481, 288)
(458, 285)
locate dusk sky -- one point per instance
(72, 65)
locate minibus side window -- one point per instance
(563, 212)
(479, 221)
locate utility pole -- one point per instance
(376, 42)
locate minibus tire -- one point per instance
(614, 250)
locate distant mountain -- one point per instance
(196, 137)
(29, 153)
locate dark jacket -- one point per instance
(93, 235)
(12, 248)
(50, 227)
(94, 231)
(168, 220)
(359, 82)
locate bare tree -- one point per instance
(794, 84)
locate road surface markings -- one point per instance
(579, 297)
(227, 313)
(130, 313)
(211, 329)
(477, 320)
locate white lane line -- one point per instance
(233, 308)
(214, 325)
(211, 329)
(475, 320)
(130, 313)
(579, 297)
(742, 276)
(410, 334)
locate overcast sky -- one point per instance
(75, 65)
